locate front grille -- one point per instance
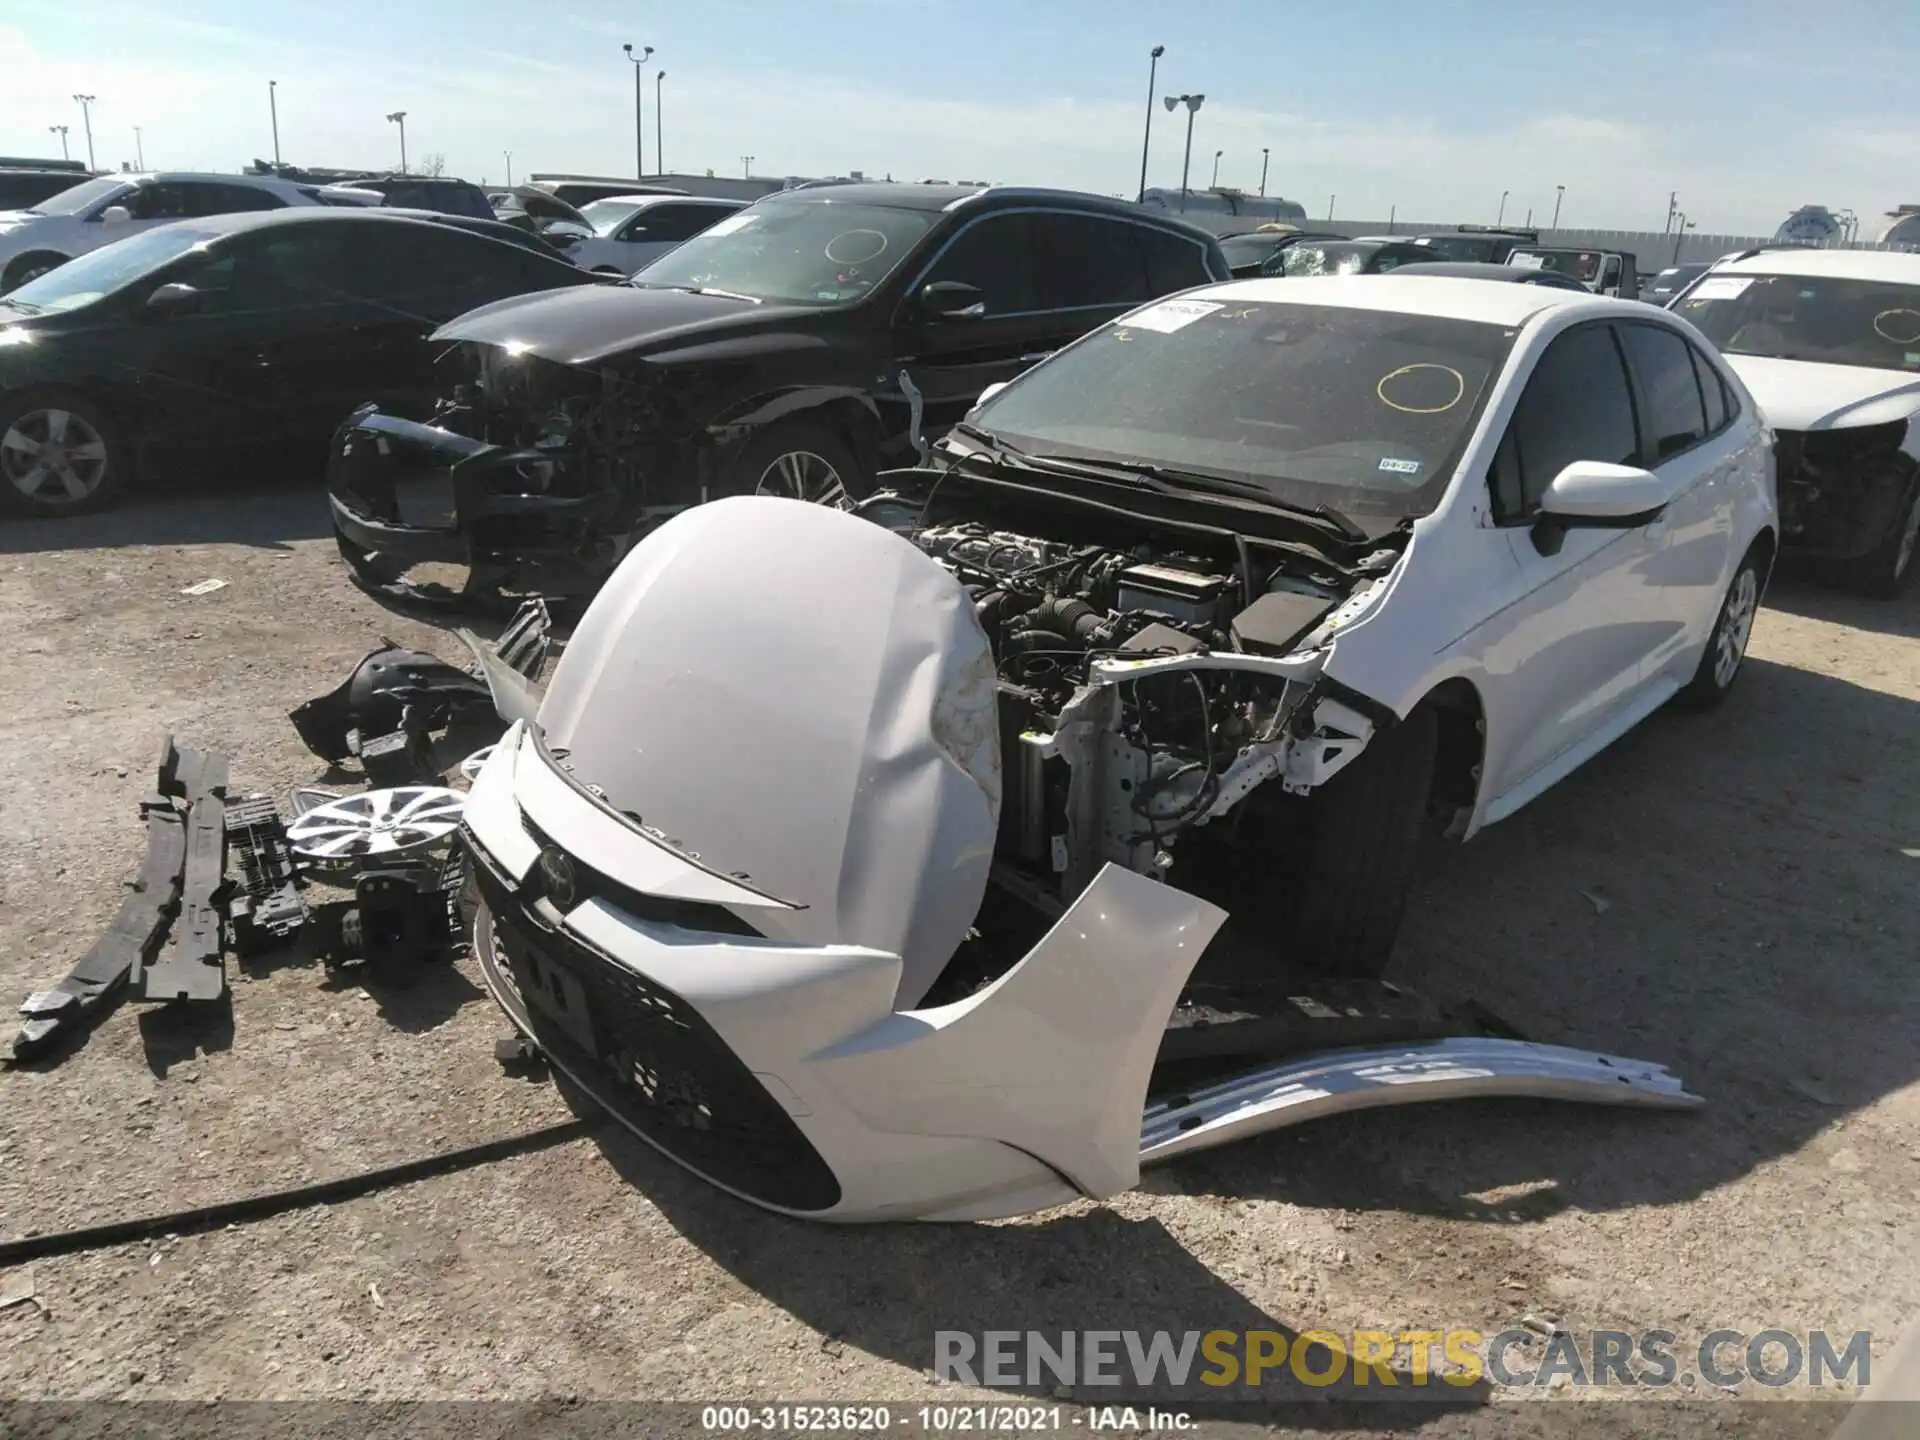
(652, 1059)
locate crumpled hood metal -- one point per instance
(797, 694)
(1801, 395)
(586, 324)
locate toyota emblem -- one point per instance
(557, 871)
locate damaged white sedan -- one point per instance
(952, 857)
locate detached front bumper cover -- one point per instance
(406, 494)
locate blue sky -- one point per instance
(1432, 108)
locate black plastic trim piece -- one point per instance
(191, 965)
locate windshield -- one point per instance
(605, 215)
(82, 196)
(1335, 259)
(1249, 249)
(1466, 247)
(1873, 323)
(813, 252)
(1364, 410)
(1581, 265)
(103, 271)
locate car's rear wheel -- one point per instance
(60, 454)
(801, 460)
(1888, 567)
(1726, 651)
(29, 267)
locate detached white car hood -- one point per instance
(800, 698)
(1804, 395)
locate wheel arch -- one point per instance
(20, 261)
(1460, 766)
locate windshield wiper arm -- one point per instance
(726, 294)
(1171, 480)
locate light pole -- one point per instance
(399, 117)
(1263, 172)
(86, 118)
(1559, 194)
(1502, 215)
(1673, 209)
(1193, 104)
(1215, 185)
(1146, 142)
(509, 155)
(61, 131)
(659, 145)
(1330, 200)
(139, 151)
(273, 110)
(746, 166)
(1681, 224)
(639, 84)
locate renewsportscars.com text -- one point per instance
(1651, 1359)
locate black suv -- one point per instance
(798, 347)
(441, 193)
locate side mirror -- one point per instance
(115, 215)
(173, 299)
(1593, 495)
(952, 300)
(988, 393)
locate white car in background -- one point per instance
(111, 207)
(1828, 341)
(633, 231)
(1180, 638)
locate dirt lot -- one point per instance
(1731, 895)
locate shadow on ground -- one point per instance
(1797, 590)
(269, 505)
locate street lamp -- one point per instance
(1330, 200)
(639, 81)
(1263, 172)
(1193, 104)
(1215, 185)
(659, 145)
(746, 166)
(399, 117)
(86, 118)
(273, 110)
(1559, 194)
(1153, 66)
(1673, 209)
(139, 151)
(509, 155)
(61, 131)
(1497, 219)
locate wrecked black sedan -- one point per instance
(796, 348)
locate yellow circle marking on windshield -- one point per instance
(1909, 329)
(855, 247)
(1459, 390)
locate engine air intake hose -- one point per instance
(1075, 619)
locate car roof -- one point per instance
(1898, 265)
(1486, 270)
(643, 202)
(141, 177)
(245, 220)
(1448, 298)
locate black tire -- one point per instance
(805, 444)
(1726, 651)
(30, 266)
(1359, 843)
(22, 423)
(1883, 573)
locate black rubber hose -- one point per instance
(1073, 618)
(321, 1192)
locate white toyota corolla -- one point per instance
(857, 859)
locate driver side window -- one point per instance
(994, 256)
(1576, 407)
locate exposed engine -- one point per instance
(1171, 748)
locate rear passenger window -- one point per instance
(1675, 418)
(1712, 390)
(1173, 262)
(1576, 407)
(1086, 262)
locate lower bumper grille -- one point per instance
(651, 1059)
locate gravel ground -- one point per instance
(1730, 895)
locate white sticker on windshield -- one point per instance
(1399, 467)
(1527, 262)
(739, 221)
(1719, 287)
(1171, 315)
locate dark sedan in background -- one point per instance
(1507, 274)
(1249, 254)
(217, 336)
(1346, 257)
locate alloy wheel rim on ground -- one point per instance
(1736, 624)
(53, 456)
(803, 475)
